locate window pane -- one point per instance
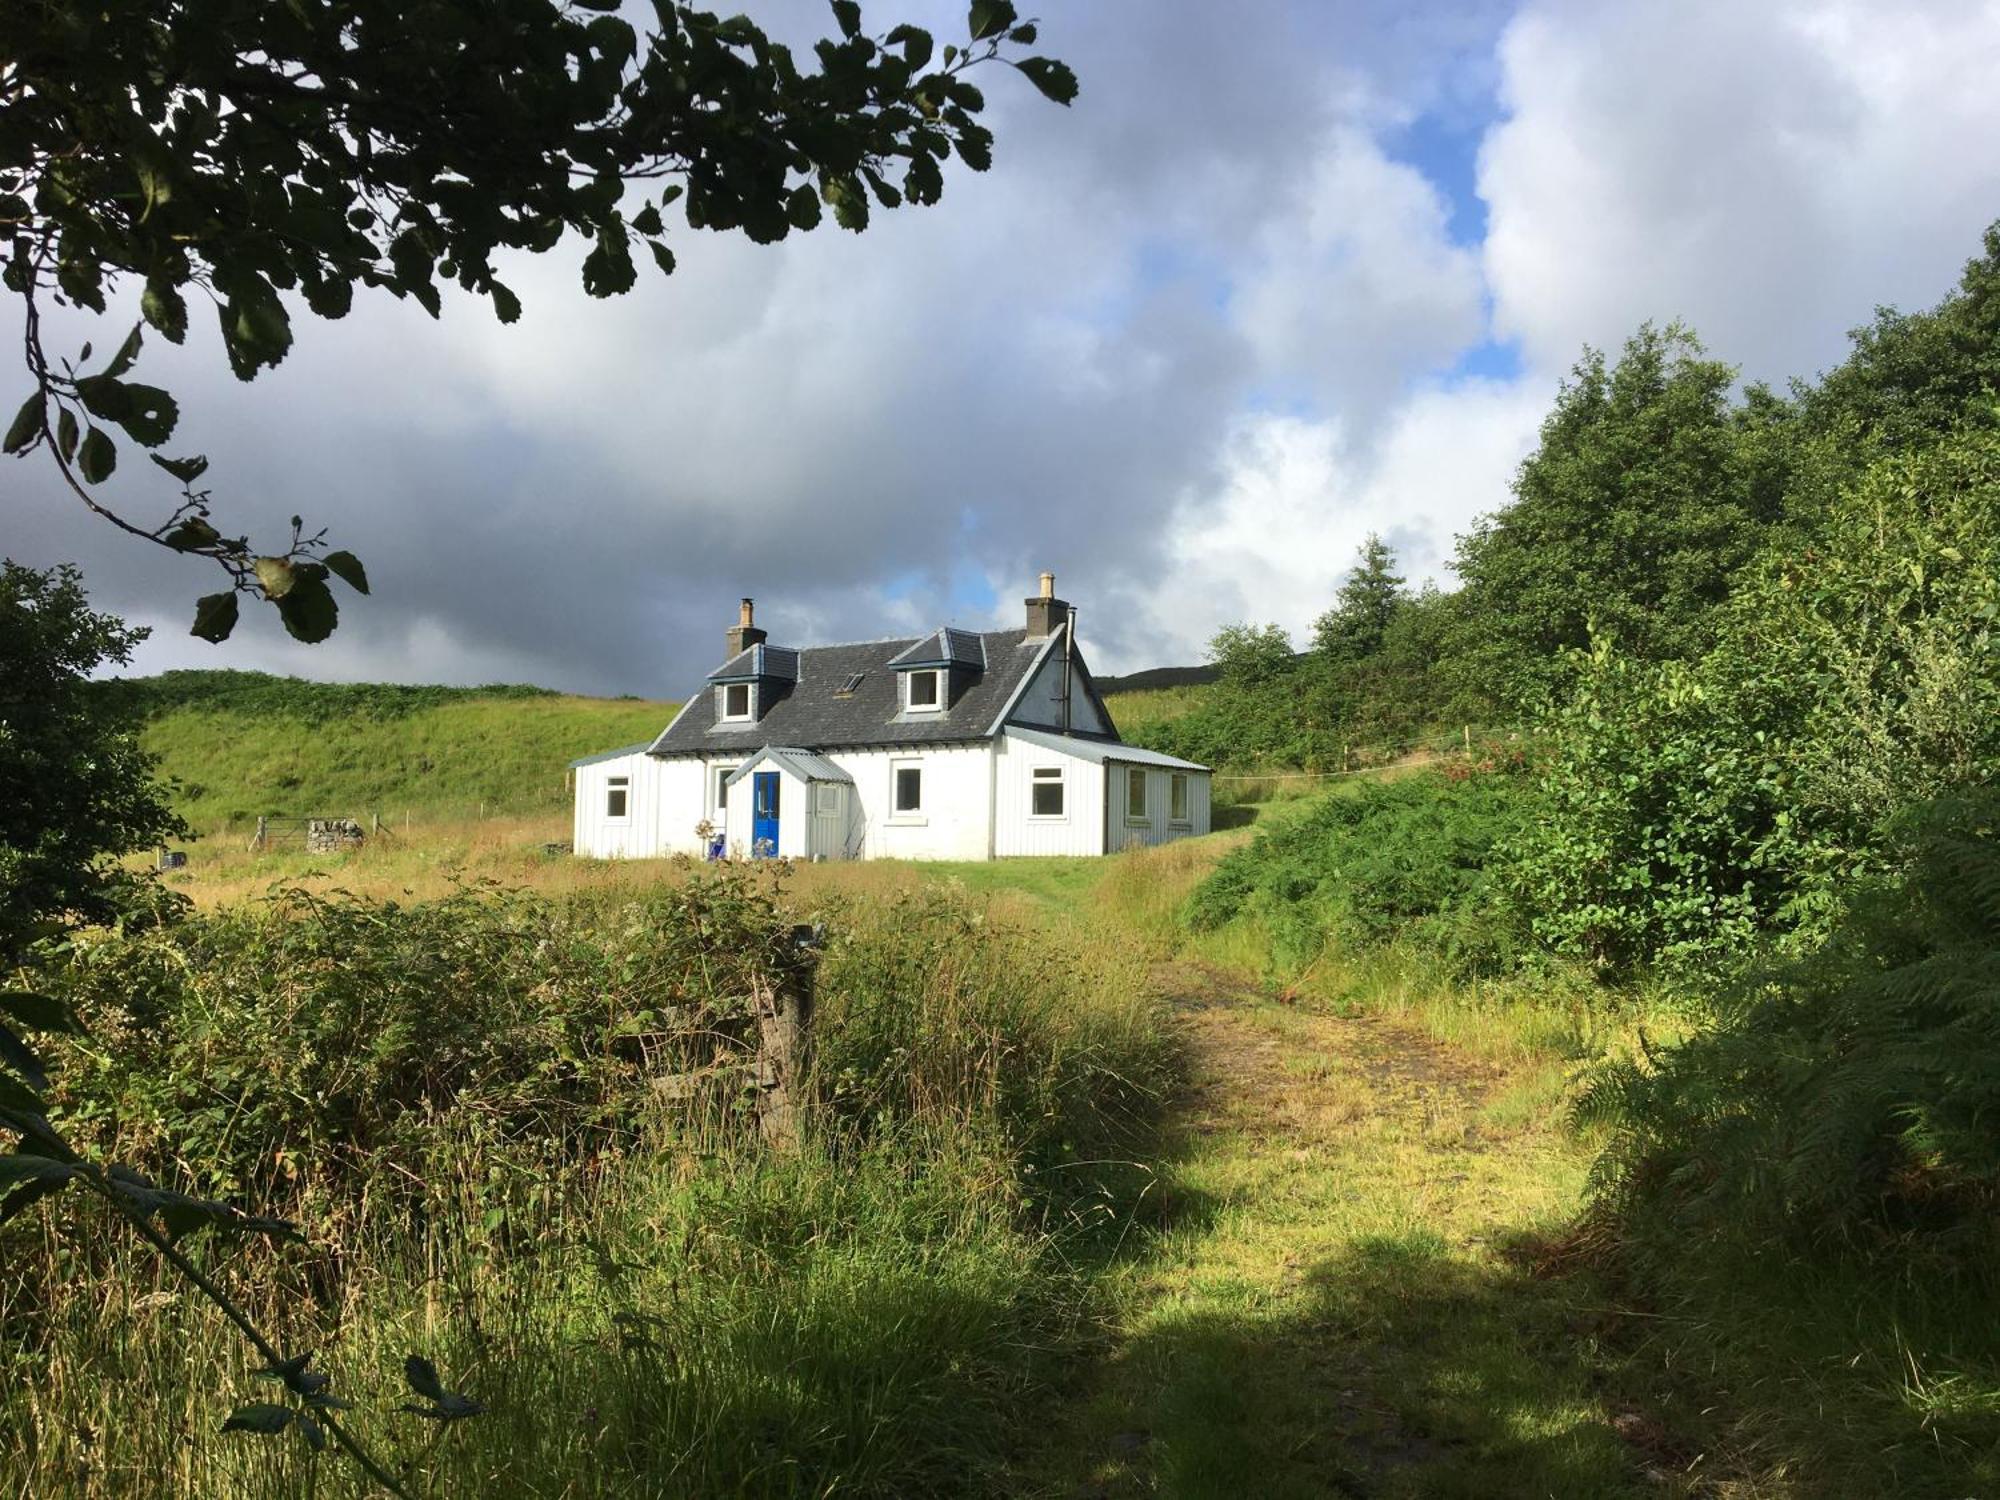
(909, 788)
(1047, 797)
(722, 775)
(1135, 793)
(736, 700)
(923, 689)
(1180, 799)
(615, 793)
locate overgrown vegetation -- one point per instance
(645, 1301)
(1750, 646)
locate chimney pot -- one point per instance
(1045, 611)
(745, 634)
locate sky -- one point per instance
(1285, 274)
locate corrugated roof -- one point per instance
(807, 709)
(1094, 748)
(801, 763)
(591, 760)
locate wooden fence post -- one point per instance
(784, 1040)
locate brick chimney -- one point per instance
(746, 634)
(1045, 610)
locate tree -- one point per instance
(260, 155)
(76, 791)
(1630, 519)
(1252, 656)
(1369, 597)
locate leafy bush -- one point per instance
(458, 1097)
(1691, 808)
(1405, 860)
(1854, 1088)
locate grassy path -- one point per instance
(1339, 1297)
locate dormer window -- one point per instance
(738, 702)
(923, 691)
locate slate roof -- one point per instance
(808, 709)
(948, 647)
(757, 663)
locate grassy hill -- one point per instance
(241, 744)
(245, 743)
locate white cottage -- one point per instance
(959, 745)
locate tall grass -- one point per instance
(459, 1099)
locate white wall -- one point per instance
(1015, 828)
(956, 821)
(657, 791)
(1125, 832)
(1041, 701)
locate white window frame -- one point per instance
(722, 713)
(620, 785)
(1142, 817)
(826, 799)
(1179, 796)
(718, 791)
(910, 705)
(905, 814)
(1039, 777)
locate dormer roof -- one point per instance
(946, 646)
(759, 663)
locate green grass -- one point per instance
(1132, 712)
(279, 746)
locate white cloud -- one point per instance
(1768, 172)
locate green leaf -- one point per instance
(186, 470)
(161, 304)
(38, 1012)
(15, 1054)
(192, 535)
(506, 306)
(848, 14)
(67, 433)
(276, 575)
(27, 425)
(1054, 79)
(315, 1435)
(98, 457)
(148, 413)
(215, 617)
(19, 1167)
(423, 1377)
(989, 18)
(1024, 34)
(608, 269)
(128, 352)
(802, 207)
(647, 220)
(261, 1417)
(662, 257)
(347, 568)
(21, 1099)
(915, 42)
(308, 608)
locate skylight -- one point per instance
(850, 687)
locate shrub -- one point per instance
(1850, 1089)
(1405, 860)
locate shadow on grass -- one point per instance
(1404, 1371)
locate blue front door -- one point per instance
(764, 814)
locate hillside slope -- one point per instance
(241, 744)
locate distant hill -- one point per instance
(1155, 678)
(242, 744)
